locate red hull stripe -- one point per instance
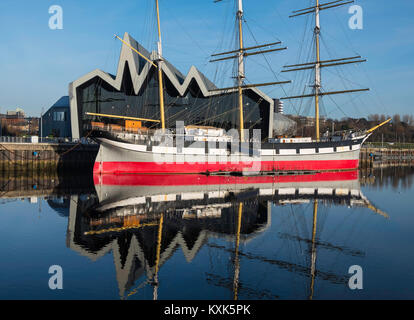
(153, 167)
(193, 179)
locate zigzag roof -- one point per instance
(139, 69)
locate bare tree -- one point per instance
(405, 118)
(373, 117)
(396, 119)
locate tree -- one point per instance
(396, 119)
(405, 118)
(374, 117)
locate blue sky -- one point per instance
(37, 63)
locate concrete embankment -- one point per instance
(371, 157)
(49, 157)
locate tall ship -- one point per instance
(150, 118)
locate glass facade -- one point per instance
(59, 116)
(97, 96)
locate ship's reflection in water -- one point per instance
(259, 228)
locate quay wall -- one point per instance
(375, 157)
(46, 157)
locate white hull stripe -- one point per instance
(202, 151)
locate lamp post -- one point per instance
(41, 124)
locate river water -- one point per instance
(199, 237)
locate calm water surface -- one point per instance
(209, 237)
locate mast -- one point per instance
(242, 52)
(158, 66)
(240, 75)
(160, 83)
(317, 70)
(318, 63)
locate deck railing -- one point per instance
(9, 139)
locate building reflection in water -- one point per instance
(143, 219)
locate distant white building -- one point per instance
(19, 113)
(278, 105)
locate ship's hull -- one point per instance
(117, 157)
